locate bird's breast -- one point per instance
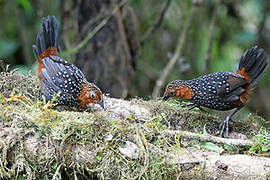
(184, 92)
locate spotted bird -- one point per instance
(57, 75)
(222, 90)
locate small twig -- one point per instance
(92, 33)
(160, 82)
(146, 155)
(211, 35)
(158, 23)
(187, 162)
(120, 155)
(154, 149)
(122, 34)
(61, 147)
(208, 137)
(75, 175)
(57, 172)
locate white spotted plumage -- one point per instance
(209, 90)
(64, 78)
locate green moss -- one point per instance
(69, 144)
(23, 110)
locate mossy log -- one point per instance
(132, 139)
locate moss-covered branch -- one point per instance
(128, 139)
(208, 137)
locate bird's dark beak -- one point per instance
(165, 97)
(101, 103)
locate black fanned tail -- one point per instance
(254, 63)
(48, 37)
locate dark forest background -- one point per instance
(125, 46)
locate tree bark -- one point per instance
(107, 59)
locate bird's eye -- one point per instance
(172, 93)
(93, 95)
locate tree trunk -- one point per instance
(107, 59)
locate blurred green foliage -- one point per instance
(26, 4)
(8, 47)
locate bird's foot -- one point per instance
(224, 125)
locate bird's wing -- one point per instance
(60, 75)
(233, 88)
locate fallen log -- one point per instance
(128, 139)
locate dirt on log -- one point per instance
(134, 139)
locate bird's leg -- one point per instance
(226, 123)
(192, 106)
(196, 106)
(201, 109)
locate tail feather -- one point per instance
(252, 64)
(260, 73)
(47, 39)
